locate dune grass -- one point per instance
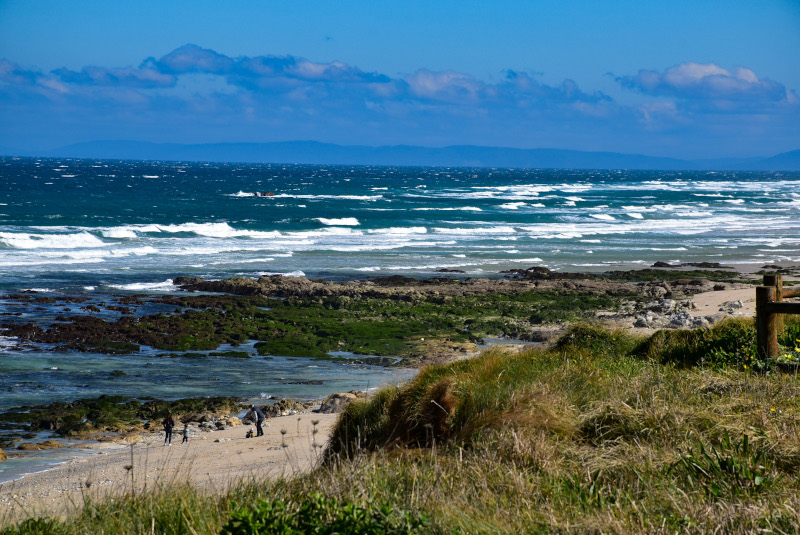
(604, 432)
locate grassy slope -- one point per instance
(604, 433)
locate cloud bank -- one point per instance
(194, 94)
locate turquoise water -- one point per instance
(97, 225)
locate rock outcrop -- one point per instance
(338, 401)
(46, 445)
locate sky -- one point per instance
(685, 79)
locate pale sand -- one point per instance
(708, 303)
(208, 465)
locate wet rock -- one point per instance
(233, 421)
(46, 445)
(337, 402)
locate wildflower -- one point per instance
(772, 409)
(745, 366)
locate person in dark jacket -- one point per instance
(169, 424)
(259, 420)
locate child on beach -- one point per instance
(185, 433)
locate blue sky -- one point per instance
(690, 79)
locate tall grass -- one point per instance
(604, 432)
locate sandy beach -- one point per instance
(211, 461)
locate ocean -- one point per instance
(93, 229)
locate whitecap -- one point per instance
(296, 273)
(399, 231)
(166, 285)
(118, 233)
(342, 221)
(50, 241)
(512, 205)
(635, 215)
(330, 197)
(603, 217)
(450, 209)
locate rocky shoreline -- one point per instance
(417, 320)
(619, 299)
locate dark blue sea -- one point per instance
(95, 229)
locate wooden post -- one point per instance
(776, 280)
(766, 323)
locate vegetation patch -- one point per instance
(313, 327)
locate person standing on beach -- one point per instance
(169, 424)
(185, 433)
(259, 420)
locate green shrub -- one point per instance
(320, 515)
(729, 344)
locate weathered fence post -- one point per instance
(777, 281)
(766, 322)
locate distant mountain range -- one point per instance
(312, 152)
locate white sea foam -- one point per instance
(399, 231)
(342, 221)
(146, 286)
(603, 217)
(512, 205)
(476, 231)
(296, 273)
(329, 197)
(635, 215)
(50, 241)
(118, 233)
(449, 209)
(371, 268)
(150, 176)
